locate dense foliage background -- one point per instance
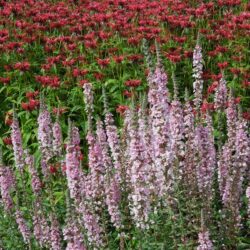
(50, 50)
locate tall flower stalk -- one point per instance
(16, 138)
(197, 74)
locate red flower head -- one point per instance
(103, 62)
(81, 157)
(23, 66)
(206, 106)
(98, 76)
(4, 80)
(59, 111)
(33, 104)
(212, 87)
(237, 100)
(52, 169)
(235, 71)
(133, 83)
(82, 82)
(127, 93)
(7, 141)
(32, 94)
(25, 105)
(121, 109)
(118, 59)
(222, 65)
(246, 115)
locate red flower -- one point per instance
(246, 83)
(133, 83)
(180, 39)
(25, 105)
(235, 71)
(23, 66)
(98, 76)
(121, 109)
(64, 167)
(82, 82)
(52, 169)
(206, 106)
(29, 94)
(8, 121)
(188, 54)
(221, 49)
(103, 62)
(52, 81)
(134, 40)
(134, 58)
(32, 94)
(90, 44)
(222, 65)
(59, 111)
(246, 115)
(212, 87)
(7, 141)
(127, 93)
(33, 104)
(118, 59)
(237, 100)
(4, 80)
(79, 72)
(71, 47)
(81, 157)
(216, 77)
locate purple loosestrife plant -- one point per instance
(159, 115)
(16, 139)
(72, 230)
(7, 183)
(94, 188)
(22, 226)
(97, 172)
(88, 100)
(114, 143)
(147, 149)
(189, 136)
(226, 160)
(57, 138)
(197, 74)
(140, 193)
(127, 128)
(55, 234)
(224, 165)
(45, 134)
(231, 114)
(91, 222)
(220, 97)
(237, 172)
(35, 180)
(113, 139)
(248, 199)
(73, 163)
(45, 137)
(206, 160)
(112, 189)
(41, 229)
(102, 140)
(204, 241)
(176, 134)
